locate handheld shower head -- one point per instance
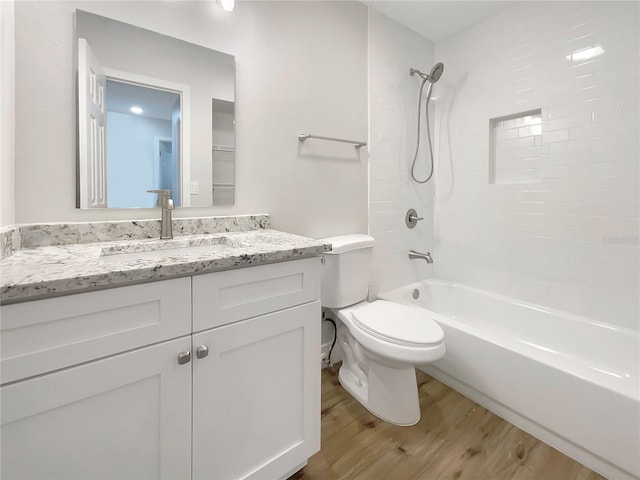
(436, 72)
(433, 76)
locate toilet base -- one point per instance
(389, 393)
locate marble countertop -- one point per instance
(47, 271)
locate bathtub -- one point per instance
(569, 380)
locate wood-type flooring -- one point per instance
(455, 439)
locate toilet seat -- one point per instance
(398, 324)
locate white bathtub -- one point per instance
(569, 380)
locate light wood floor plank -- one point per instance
(455, 439)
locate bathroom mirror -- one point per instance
(154, 112)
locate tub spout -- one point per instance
(424, 256)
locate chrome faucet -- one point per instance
(166, 203)
(424, 256)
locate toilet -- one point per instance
(382, 341)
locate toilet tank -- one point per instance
(345, 270)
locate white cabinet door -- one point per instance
(256, 396)
(123, 417)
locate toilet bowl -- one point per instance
(382, 341)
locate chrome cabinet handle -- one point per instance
(184, 357)
(202, 351)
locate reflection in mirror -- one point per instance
(154, 112)
(143, 128)
(223, 152)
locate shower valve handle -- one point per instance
(411, 218)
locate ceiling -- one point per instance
(437, 20)
(156, 103)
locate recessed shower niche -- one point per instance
(515, 148)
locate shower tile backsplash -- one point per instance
(568, 238)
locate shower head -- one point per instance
(436, 72)
(433, 76)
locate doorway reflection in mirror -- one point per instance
(140, 153)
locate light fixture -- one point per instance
(137, 110)
(227, 5)
(585, 53)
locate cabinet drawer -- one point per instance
(46, 335)
(225, 297)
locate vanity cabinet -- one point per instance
(210, 377)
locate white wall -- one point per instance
(571, 239)
(393, 104)
(294, 74)
(7, 114)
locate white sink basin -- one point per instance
(161, 249)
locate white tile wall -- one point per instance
(393, 97)
(571, 240)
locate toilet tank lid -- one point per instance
(347, 243)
